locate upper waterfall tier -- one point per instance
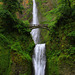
(35, 17)
(35, 32)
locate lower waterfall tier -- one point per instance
(39, 59)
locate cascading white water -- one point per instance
(35, 32)
(39, 58)
(35, 18)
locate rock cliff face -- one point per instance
(25, 5)
(27, 11)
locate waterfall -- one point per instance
(35, 18)
(39, 58)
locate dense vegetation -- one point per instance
(16, 45)
(61, 36)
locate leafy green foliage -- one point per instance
(15, 40)
(0, 0)
(18, 49)
(13, 6)
(4, 55)
(16, 44)
(60, 39)
(72, 33)
(4, 40)
(7, 20)
(23, 27)
(71, 36)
